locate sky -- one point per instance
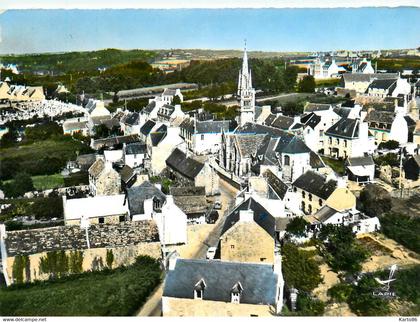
(34, 31)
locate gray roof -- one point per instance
(283, 122)
(138, 194)
(382, 84)
(212, 126)
(184, 165)
(359, 77)
(313, 107)
(360, 161)
(132, 119)
(281, 223)
(254, 128)
(325, 213)
(157, 136)
(109, 142)
(126, 174)
(346, 128)
(249, 144)
(187, 124)
(259, 281)
(279, 187)
(261, 216)
(147, 127)
(316, 184)
(310, 119)
(149, 107)
(135, 148)
(292, 145)
(342, 111)
(380, 117)
(191, 204)
(315, 161)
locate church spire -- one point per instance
(246, 94)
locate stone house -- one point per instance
(348, 138)
(205, 288)
(316, 190)
(190, 172)
(97, 210)
(359, 82)
(192, 201)
(103, 179)
(248, 234)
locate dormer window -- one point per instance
(199, 290)
(236, 293)
(156, 204)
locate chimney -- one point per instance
(172, 258)
(158, 186)
(246, 215)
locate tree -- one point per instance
(342, 252)
(176, 100)
(300, 269)
(21, 183)
(297, 226)
(307, 306)
(340, 292)
(307, 84)
(375, 200)
(390, 145)
(390, 159)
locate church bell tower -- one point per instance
(246, 94)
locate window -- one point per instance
(236, 293)
(294, 189)
(330, 140)
(286, 160)
(202, 137)
(199, 289)
(232, 246)
(310, 209)
(263, 259)
(303, 194)
(310, 197)
(303, 205)
(338, 141)
(345, 143)
(122, 218)
(101, 220)
(320, 202)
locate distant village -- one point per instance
(170, 171)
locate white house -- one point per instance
(98, 210)
(135, 154)
(96, 108)
(320, 69)
(363, 66)
(360, 169)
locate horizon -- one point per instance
(292, 30)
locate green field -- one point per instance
(118, 292)
(40, 158)
(48, 181)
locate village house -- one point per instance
(317, 190)
(75, 125)
(205, 288)
(134, 154)
(128, 177)
(360, 169)
(248, 234)
(192, 201)
(147, 201)
(283, 122)
(130, 123)
(97, 210)
(146, 129)
(160, 144)
(113, 142)
(348, 138)
(359, 82)
(381, 88)
(320, 69)
(168, 113)
(190, 172)
(386, 125)
(103, 179)
(363, 66)
(360, 223)
(204, 137)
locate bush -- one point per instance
(21, 183)
(297, 226)
(403, 229)
(307, 84)
(340, 292)
(390, 145)
(375, 200)
(300, 269)
(307, 306)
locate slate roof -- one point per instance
(191, 204)
(359, 77)
(380, 117)
(109, 142)
(135, 148)
(314, 107)
(283, 122)
(259, 281)
(281, 223)
(157, 136)
(410, 121)
(188, 167)
(261, 216)
(269, 120)
(316, 184)
(212, 126)
(279, 187)
(346, 128)
(132, 119)
(248, 145)
(149, 107)
(187, 191)
(311, 119)
(169, 92)
(382, 84)
(360, 161)
(86, 160)
(138, 194)
(324, 213)
(315, 161)
(292, 145)
(147, 127)
(187, 124)
(254, 128)
(126, 173)
(342, 111)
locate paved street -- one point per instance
(200, 238)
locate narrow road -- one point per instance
(153, 306)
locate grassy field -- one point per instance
(48, 181)
(336, 165)
(118, 292)
(39, 158)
